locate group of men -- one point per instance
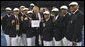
(56, 29)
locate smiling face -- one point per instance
(73, 8)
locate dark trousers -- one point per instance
(37, 38)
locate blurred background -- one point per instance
(47, 4)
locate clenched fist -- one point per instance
(43, 24)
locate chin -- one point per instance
(72, 10)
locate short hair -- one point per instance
(36, 7)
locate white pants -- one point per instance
(40, 43)
(47, 43)
(57, 43)
(24, 39)
(7, 39)
(29, 41)
(33, 40)
(70, 43)
(14, 41)
(20, 41)
(64, 41)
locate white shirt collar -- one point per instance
(47, 19)
(65, 14)
(15, 16)
(8, 15)
(22, 13)
(56, 17)
(30, 18)
(75, 11)
(39, 16)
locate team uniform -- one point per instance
(74, 27)
(75, 35)
(57, 28)
(65, 21)
(64, 33)
(6, 26)
(29, 31)
(22, 31)
(47, 31)
(14, 29)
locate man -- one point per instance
(31, 7)
(28, 29)
(57, 29)
(42, 20)
(47, 30)
(54, 14)
(37, 16)
(25, 10)
(21, 8)
(66, 17)
(41, 11)
(14, 27)
(21, 13)
(75, 25)
(6, 25)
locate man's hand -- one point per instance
(74, 43)
(13, 21)
(22, 18)
(43, 24)
(51, 15)
(42, 20)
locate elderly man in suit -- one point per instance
(37, 16)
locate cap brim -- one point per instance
(72, 4)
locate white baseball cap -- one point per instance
(8, 8)
(55, 9)
(73, 3)
(15, 9)
(63, 7)
(46, 12)
(25, 9)
(22, 6)
(32, 4)
(30, 12)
